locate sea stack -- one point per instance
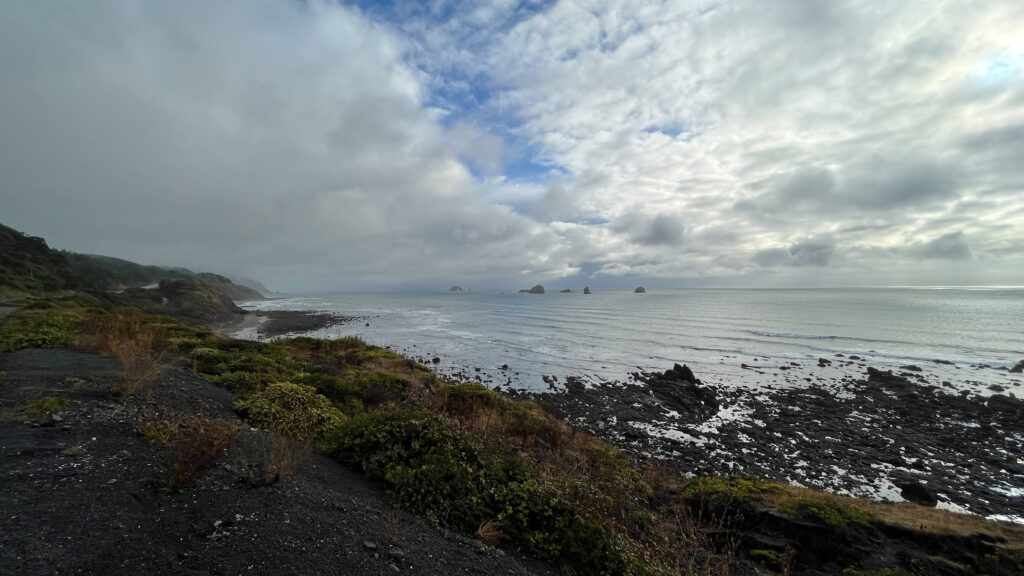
(455, 288)
(538, 289)
(640, 290)
(586, 290)
(566, 291)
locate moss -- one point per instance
(42, 406)
(738, 486)
(883, 572)
(768, 558)
(292, 409)
(834, 514)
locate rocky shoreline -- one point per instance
(882, 436)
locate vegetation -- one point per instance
(42, 406)
(294, 410)
(834, 514)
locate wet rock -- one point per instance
(913, 491)
(435, 360)
(911, 367)
(679, 390)
(1019, 368)
(50, 420)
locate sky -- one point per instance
(321, 146)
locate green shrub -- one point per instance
(471, 396)
(42, 406)
(431, 467)
(379, 387)
(291, 409)
(38, 329)
(241, 383)
(834, 514)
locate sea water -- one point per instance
(727, 336)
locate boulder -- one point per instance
(918, 493)
(678, 389)
(455, 288)
(1018, 368)
(640, 290)
(586, 290)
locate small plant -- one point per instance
(42, 406)
(284, 458)
(291, 409)
(200, 441)
(140, 367)
(392, 525)
(74, 451)
(489, 532)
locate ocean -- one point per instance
(967, 337)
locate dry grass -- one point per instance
(284, 458)
(194, 442)
(909, 515)
(489, 532)
(132, 341)
(393, 527)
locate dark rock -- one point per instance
(586, 290)
(913, 491)
(50, 420)
(538, 289)
(996, 388)
(824, 361)
(937, 361)
(455, 288)
(678, 389)
(911, 367)
(640, 290)
(1018, 368)
(565, 291)
(435, 360)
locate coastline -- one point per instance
(850, 428)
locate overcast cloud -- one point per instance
(319, 146)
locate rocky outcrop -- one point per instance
(565, 291)
(538, 289)
(640, 290)
(918, 493)
(455, 288)
(586, 290)
(678, 389)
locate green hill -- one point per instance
(30, 268)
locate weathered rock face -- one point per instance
(586, 290)
(678, 389)
(455, 288)
(538, 289)
(640, 290)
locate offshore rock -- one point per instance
(538, 289)
(455, 288)
(586, 290)
(640, 290)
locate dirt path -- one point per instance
(87, 495)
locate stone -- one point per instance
(537, 289)
(918, 493)
(50, 420)
(369, 545)
(640, 290)
(586, 290)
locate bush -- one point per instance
(294, 410)
(42, 406)
(431, 467)
(38, 329)
(197, 443)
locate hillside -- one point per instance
(30, 268)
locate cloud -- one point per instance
(952, 246)
(805, 252)
(322, 146)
